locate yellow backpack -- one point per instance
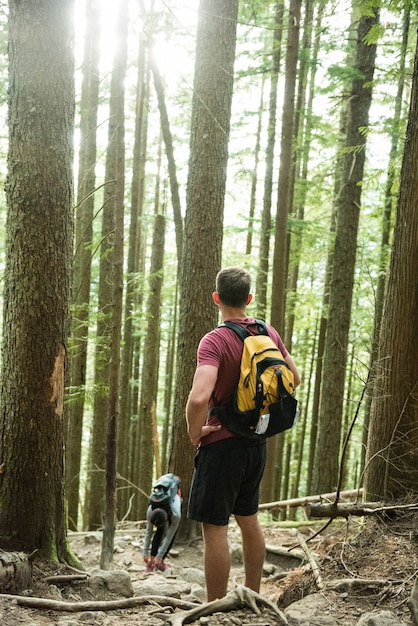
(263, 403)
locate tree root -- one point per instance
(98, 605)
(235, 599)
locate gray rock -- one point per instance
(95, 618)
(311, 611)
(382, 618)
(193, 575)
(92, 538)
(115, 581)
(158, 585)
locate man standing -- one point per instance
(228, 468)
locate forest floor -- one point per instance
(382, 552)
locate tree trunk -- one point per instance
(389, 204)
(267, 483)
(149, 380)
(82, 258)
(127, 407)
(115, 165)
(254, 173)
(264, 246)
(210, 124)
(172, 169)
(37, 276)
(280, 258)
(112, 204)
(392, 453)
(348, 212)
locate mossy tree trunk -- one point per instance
(37, 276)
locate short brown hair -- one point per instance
(233, 285)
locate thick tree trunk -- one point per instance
(342, 279)
(37, 275)
(392, 453)
(211, 111)
(387, 221)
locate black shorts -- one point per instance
(226, 480)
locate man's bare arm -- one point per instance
(197, 403)
(289, 360)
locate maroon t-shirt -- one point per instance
(222, 348)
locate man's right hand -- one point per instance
(204, 431)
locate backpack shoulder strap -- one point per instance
(261, 327)
(243, 332)
(239, 330)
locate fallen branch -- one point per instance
(353, 584)
(333, 510)
(312, 562)
(98, 605)
(235, 599)
(280, 550)
(63, 579)
(294, 502)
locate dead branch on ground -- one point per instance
(98, 605)
(313, 564)
(294, 502)
(333, 510)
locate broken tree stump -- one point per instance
(15, 572)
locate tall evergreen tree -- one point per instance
(392, 453)
(343, 265)
(37, 276)
(110, 289)
(202, 246)
(83, 256)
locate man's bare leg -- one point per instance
(216, 559)
(254, 549)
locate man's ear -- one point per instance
(215, 297)
(250, 297)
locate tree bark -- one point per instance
(82, 258)
(387, 221)
(37, 275)
(128, 407)
(210, 124)
(264, 246)
(110, 267)
(151, 361)
(115, 165)
(342, 279)
(392, 453)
